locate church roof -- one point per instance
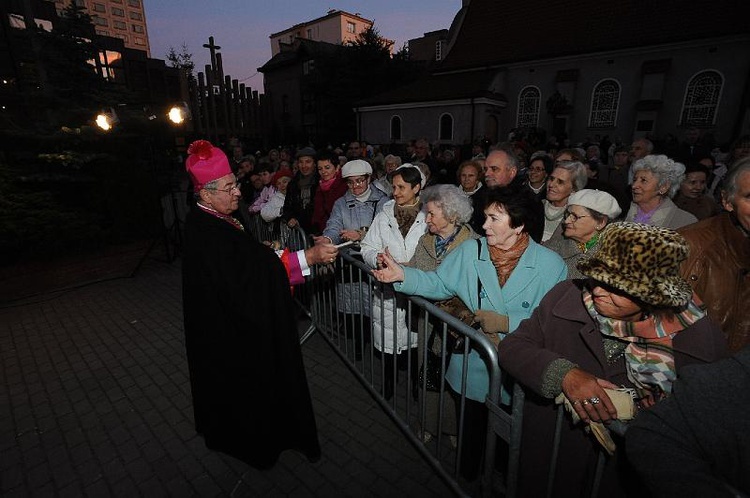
(499, 32)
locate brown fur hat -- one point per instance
(642, 261)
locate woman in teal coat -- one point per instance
(502, 278)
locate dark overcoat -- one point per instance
(250, 393)
(562, 328)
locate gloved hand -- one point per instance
(491, 322)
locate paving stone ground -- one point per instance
(95, 402)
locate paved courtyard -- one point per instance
(95, 401)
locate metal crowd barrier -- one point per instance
(278, 231)
(338, 300)
(340, 309)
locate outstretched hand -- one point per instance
(321, 253)
(388, 269)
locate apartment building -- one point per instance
(336, 27)
(124, 19)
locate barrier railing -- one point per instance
(341, 298)
(338, 300)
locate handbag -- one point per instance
(431, 372)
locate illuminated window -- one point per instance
(528, 107)
(136, 16)
(98, 7)
(351, 27)
(137, 28)
(701, 99)
(604, 103)
(118, 12)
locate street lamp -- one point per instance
(178, 113)
(107, 119)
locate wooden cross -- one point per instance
(212, 47)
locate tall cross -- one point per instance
(212, 47)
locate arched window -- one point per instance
(446, 127)
(701, 99)
(605, 99)
(528, 107)
(395, 127)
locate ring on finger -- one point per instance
(585, 402)
(595, 400)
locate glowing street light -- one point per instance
(179, 113)
(107, 119)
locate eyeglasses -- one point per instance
(356, 182)
(569, 214)
(228, 189)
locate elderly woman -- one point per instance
(390, 163)
(692, 194)
(447, 213)
(469, 175)
(398, 228)
(587, 214)
(568, 176)
(354, 212)
(501, 279)
(634, 322)
(656, 179)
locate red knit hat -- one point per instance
(206, 163)
(280, 174)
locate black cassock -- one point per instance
(250, 393)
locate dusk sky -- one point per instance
(242, 28)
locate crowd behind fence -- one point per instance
(338, 298)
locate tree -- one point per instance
(182, 60)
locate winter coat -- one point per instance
(324, 202)
(717, 270)
(263, 198)
(538, 270)
(667, 215)
(561, 327)
(350, 214)
(272, 209)
(384, 233)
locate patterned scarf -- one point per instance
(442, 244)
(649, 356)
(406, 216)
(505, 261)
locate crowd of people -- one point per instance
(593, 268)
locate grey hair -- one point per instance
(730, 183)
(668, 172)
(212, 185)
(390, 158)
(578, 173)
(648, 143)
(456, 206)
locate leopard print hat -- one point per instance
(642, 261)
